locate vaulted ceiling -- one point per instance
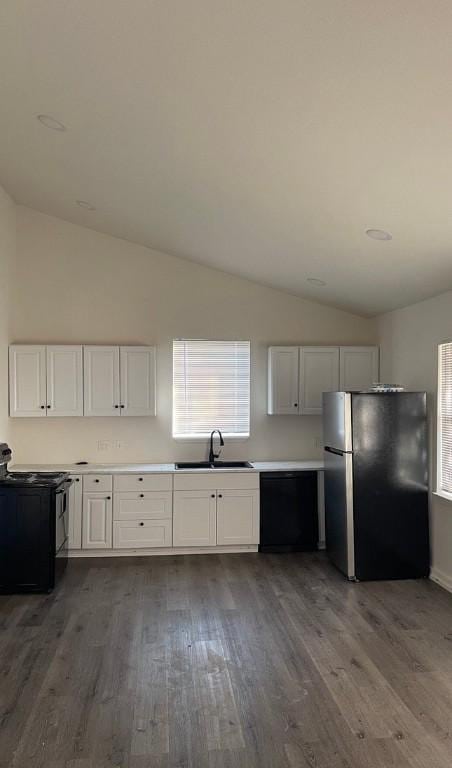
(260, 137)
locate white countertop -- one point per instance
(108, 469)
(283, 466)
(96, 469)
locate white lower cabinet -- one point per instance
(136, 534)
(195, 518)
(75, 513)
(151, 505)
(237, 517)
(142, 512)
(142, 519)
(97, 521)
(210, 516)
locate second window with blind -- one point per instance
(211, 388)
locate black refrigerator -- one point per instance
(376, 484)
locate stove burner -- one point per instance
(34, 478)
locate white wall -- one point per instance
(75, 285)
(409, 338)
(7, 248)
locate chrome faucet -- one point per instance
(212, 455)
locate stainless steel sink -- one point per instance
(213, 465)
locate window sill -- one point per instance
(443, 495)
(197, 440)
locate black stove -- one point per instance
(34, 522)
(40, 479)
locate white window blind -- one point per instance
(444, 458)
(211, 388)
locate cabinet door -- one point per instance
(27, 381)
(194, 519)
(283, 380)
(237, 517)
(358, 367)
(75, 513)
(319, 372)
(137, 366)
(97, 521)
(64, 381)
(101, 381)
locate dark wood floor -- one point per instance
(225, 661)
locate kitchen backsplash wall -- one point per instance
(75, 285)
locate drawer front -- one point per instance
(141, 534)
(97, 483)
(214, 479)
(149, 505)
(150, 482)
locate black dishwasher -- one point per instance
(289, 512)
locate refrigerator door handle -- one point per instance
(336, 451)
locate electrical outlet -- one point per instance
(103, 445)
(117, 445)
(317, 441)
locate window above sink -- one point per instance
(211, 386)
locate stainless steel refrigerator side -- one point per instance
(337, 432)
(350, 518)
(338, 444)
(349, 486)
(339, 523)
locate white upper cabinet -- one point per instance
(359, 367)
(64, 381)
(137, 366)
(72, 380)
(101, 381)
(27, 380)
(319, 372)
(283, 380)
(119, 381)
(297, 376)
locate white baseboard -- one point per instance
(161, 551)
(441, 578)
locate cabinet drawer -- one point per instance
(136, 534)
(149, 505)
(97, 483)
(214, 479)
(150, 482)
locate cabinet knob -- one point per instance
(122, 406)
(116, 406)
(295, 405)
(220, 495)
(49, 406)
(141, 495)
(141, 523)
(42, 406)
(212, 495)
(140, 479)
(96, 480)
(108, 498)
(77, 479)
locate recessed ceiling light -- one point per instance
(378, 234)
(84, 204)
(316, 281)
(50, 122)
